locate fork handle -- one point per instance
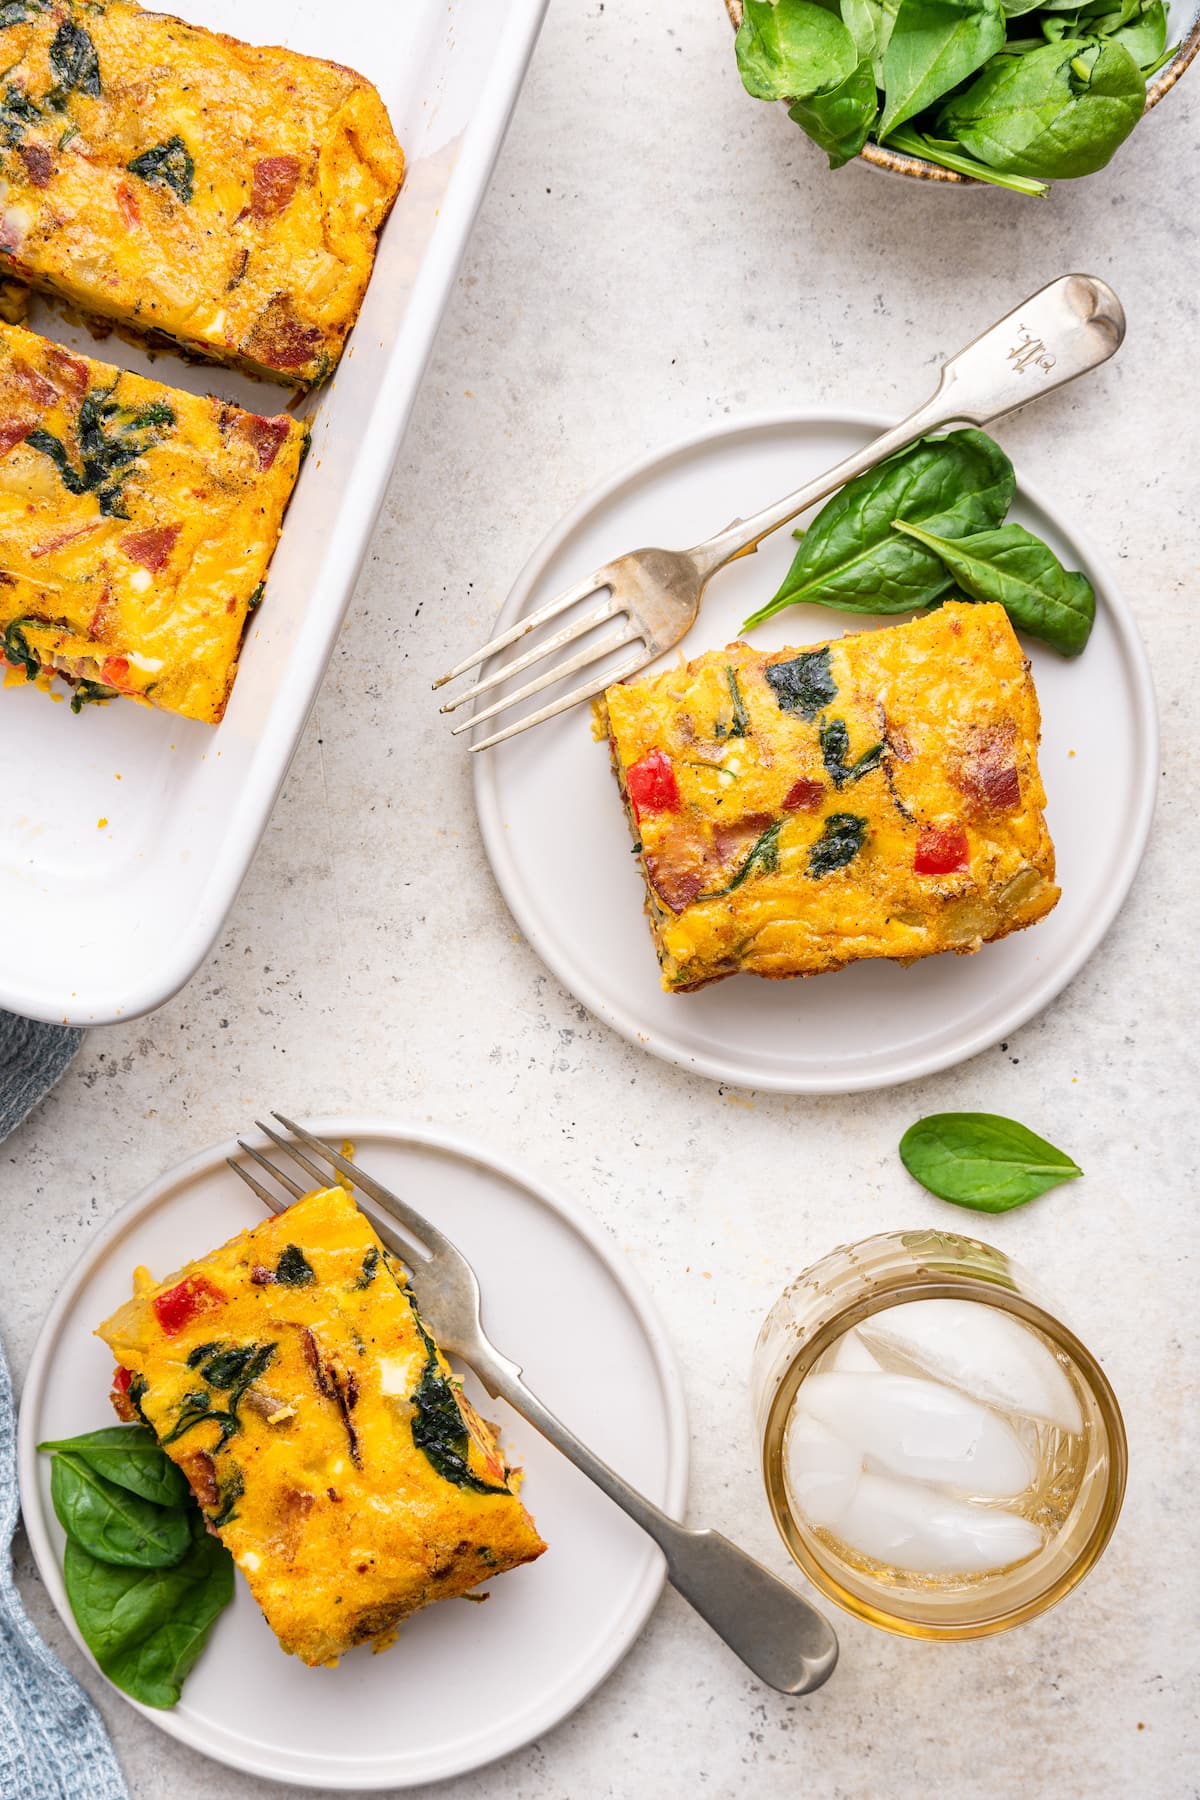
(1059, 333)
(777, 1632)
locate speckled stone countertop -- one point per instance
(658, 251)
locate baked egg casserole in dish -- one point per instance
(137, 523)
(290, 1377)
(877, 796)
(190, 188)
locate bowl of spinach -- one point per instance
(1015, 93)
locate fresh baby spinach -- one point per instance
(1060, 111)
(1012, 567)
(113, 1522)
(982, 1160)
(129, 1456)
(147, 1626)
(144, 1577)
(935, 44)
(1012, 92)
(788, 50)
(851, 557)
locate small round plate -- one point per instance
(463, 1684)
(558, 843)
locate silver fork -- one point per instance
(776, 1631)
(1059, 333)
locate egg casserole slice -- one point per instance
(136, 526)
(190, 187)
(876, 796)
(290, 1377)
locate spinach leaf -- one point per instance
(112, 438)
(762, 859)
(805, 684)
(15, 12)
(835, 750)
(293, 1268)
(1021, 573)
(787, 49)
(871, 23)
(982, 1160)
(88, 693)
(129, 1456)
(167, 165)
(840, 118)
(146, 1627)
(948, 156)
(1145, 35)
(1060, 111)
(842, 837)
(73, 64)
(739, 724)
(851, 558)
(17, 653)
(366, 1274)
(439, 1430)
(111, 1522)
(17, 113)
(935, 45)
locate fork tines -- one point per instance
(626, 632)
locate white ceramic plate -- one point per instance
(556, 835)
(106, 922)
(464, 1683)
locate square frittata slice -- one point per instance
(136, 526)
(291, 1378)
(190, 187)
(875, 796)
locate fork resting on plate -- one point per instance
(653, 596)
(777, 1632)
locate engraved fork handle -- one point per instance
(1059, 333)
(777, 1632)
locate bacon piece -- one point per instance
(151, 548)
(279, 338)
(49, 545)
(986, 772)
(127, 206)
(35, 385)
(122, 1405)
(675, 887)
(39, 164)
(266, 437)
(15, 431)
(201, 1473)
(294, 1507)
(273, 184)
(804, 796)
(69, 375)
(736, 835)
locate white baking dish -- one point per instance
(102, 922)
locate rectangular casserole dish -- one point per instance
(107, 923)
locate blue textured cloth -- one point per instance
(53, 1745)
(32, 1057)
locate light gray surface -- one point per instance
(657, 251)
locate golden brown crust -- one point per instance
(877, 796)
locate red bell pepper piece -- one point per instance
(181, 1304)
(941, 849)
(651, 784)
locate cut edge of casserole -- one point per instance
(875, 796)
(190, 189)
(137, 526)
(291, 1378)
